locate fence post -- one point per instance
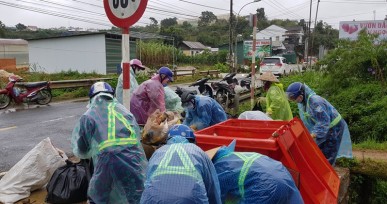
(175, 73)
(193, 72)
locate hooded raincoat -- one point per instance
(322, 119)
(277, 104)
(180, 173)
(147, 98)
(119, 87)
(108, 133)
(172, 101)
(249, 177)
(205, 113)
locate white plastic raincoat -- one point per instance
(108, 133)
(119, 87)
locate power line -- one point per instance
(204, 5)
(174, 6)
(285, 9)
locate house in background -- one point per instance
(90, 52)
(294, 43)
(13, 53)
(190, 48)
(276, 34)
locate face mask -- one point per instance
(188, 105)
(299, 99)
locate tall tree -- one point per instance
(153, 27)
(2, 29)
(262, 22)
(168, 22)
(207, 18)
(20, 27)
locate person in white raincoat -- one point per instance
(135, 65)
(108, 133)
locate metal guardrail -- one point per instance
(75, 83)
(70, 83)
(210, 72)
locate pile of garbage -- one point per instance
(4, 74)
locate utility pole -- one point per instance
(230, 48)
(310, 21)
(374, 14)
(252, 90)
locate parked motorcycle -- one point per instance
(37, 92)
(225, 92)
(246, 82)
(203, 88)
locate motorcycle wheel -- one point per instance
(5, 100)
(46, 97)
(221, 98)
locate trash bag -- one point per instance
(69, 183)
(157, 126)
(31, 173)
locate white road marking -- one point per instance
(8, 128)
(57, 119)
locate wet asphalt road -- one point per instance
(23, 129)
(20, 131)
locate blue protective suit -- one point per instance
(322, 119)
(113, 143)
(180, 173)
(147, 98)
(172, 101)
(206, 112)
(249, 177)
(119, 87)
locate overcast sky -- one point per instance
(90, 13)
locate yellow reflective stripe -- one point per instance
(117, 142)
(187, 169)
(335, 121)
(111, 122)
(112, 140)
(248, 161)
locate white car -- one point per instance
(277, 65)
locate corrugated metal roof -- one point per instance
(132, 34)
(4, 41)
(195, 45)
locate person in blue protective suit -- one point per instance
(201, 111)
(149, 96)
(135, 65)
(324, 122)
(108, 133)
(180, 172)
(249, 177)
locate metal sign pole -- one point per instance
(252, 94)
(124, 14)
(126, 68)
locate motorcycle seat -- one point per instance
(35, 84)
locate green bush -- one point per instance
(221, 67)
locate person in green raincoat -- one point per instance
(277, 104)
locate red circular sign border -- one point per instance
(125, 22)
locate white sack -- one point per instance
(32, 172)
(254, 115)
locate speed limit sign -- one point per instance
(124, 13)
